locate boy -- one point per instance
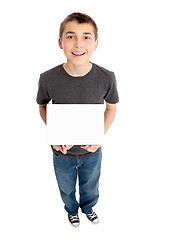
(75, 82)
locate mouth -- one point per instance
(78, 54)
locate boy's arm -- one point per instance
(109, 115)
(42, 110)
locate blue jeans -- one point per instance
(87, 169)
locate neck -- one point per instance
(77, 70)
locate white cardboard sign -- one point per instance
(75, 124)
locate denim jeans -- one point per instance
(87, 169)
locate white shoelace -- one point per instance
(74, 218)
(92, 215)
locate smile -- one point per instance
(78, 53)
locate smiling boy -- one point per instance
(78, 81)
(78, 43)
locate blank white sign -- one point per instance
(75, 124)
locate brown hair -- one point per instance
(79, 18)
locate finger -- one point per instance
(67, 147)
(55, 147)
(90, 149)
(93, 148)
(85, 146)
(64, 149)
(58, 147)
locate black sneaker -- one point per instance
(74, 220)
(93, 217)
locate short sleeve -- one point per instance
(112, 94)
(42, 95)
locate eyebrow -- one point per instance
(86, 33)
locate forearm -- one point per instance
(109, 116)
(42, 111)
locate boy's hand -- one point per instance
(62, 148)
(91, 148)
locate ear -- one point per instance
(96, 44)
(60, 43)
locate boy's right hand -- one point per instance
(62, 148)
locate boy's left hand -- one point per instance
(91, 148)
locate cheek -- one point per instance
(89, 46)
(67, 45)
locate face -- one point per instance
(78, 42)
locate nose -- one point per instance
(78, 43)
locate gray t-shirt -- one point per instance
(97, 85)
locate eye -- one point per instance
(86, 37)
(70, 37)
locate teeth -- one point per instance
(78, 53)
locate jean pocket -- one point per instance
(56, 155)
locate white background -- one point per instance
(135, 181)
